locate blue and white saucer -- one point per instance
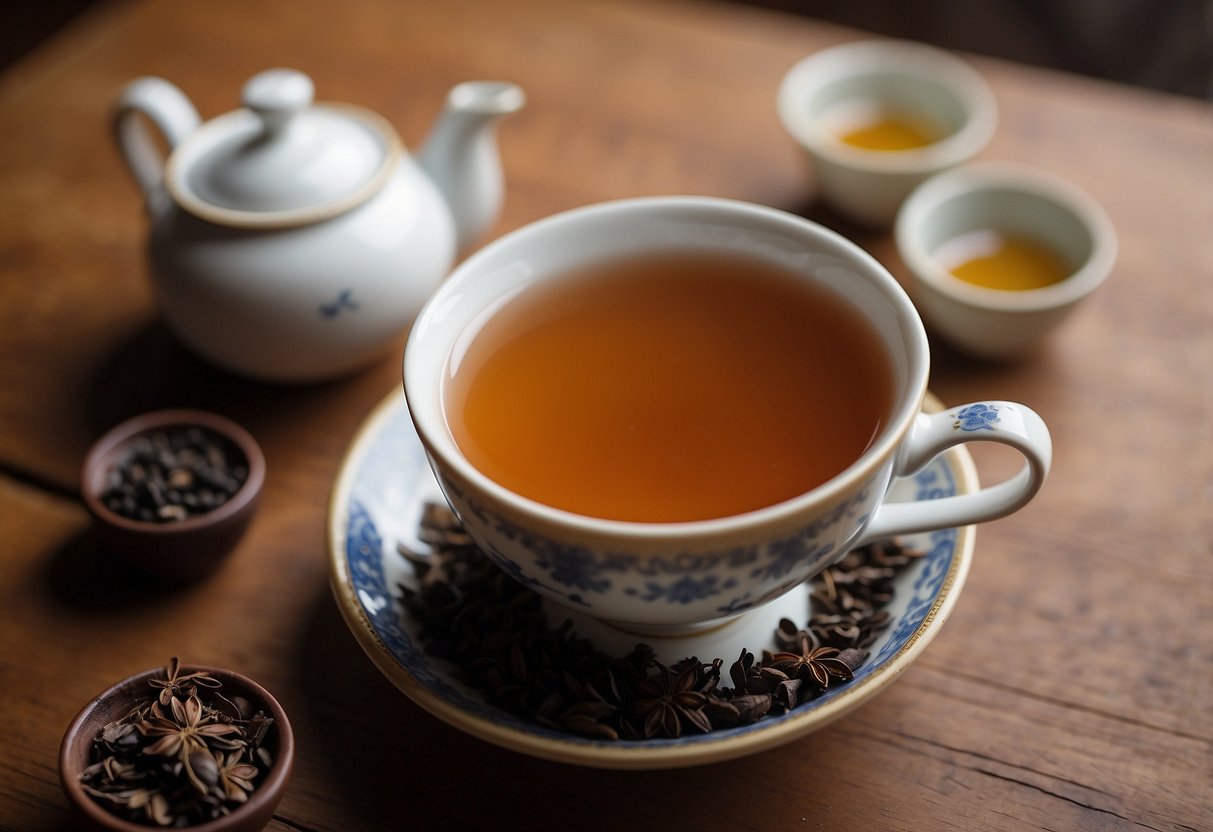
(381, 489)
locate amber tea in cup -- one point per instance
(668, 387)
(1000, 260)
(871, 125)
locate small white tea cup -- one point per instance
(869, 185)
(665, 577)
(1009, 198)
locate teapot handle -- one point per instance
(167, 108)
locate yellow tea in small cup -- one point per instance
(871, 125)
(999, 260)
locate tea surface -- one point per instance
(1002, 261)
(668, 388)
(873, 126)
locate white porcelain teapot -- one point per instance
(295, 241)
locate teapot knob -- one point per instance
(276, 95)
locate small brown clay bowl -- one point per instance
(118, 700)
(182, 550)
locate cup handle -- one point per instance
(167, 108)
(993, 421)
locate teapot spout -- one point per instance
(460, 155)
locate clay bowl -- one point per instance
(181, 550)
(119, 699)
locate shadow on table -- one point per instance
(83, 575)
(150, 370)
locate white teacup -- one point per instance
(663, 577)
(818, 93)
(1001, 324)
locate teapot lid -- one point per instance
(282, 160)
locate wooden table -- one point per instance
(1071, 689)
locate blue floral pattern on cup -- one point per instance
(684, 590)
(977, 417)
(574, 573)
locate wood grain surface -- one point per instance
(1071, 689)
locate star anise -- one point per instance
(812, 663)
(190, 729)
(176, 685)
(668, 701)
(191, 761)
(234, 777)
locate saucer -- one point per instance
(380, 492)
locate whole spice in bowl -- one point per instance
(173, 491)
(178, 747)
(172, 475)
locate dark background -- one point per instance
(1161, 44)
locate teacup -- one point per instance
(828, 89)
(997, 323)
(662, 578)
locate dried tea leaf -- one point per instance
(721, 713)
(589, 709)
(787, 693)
(589, 727)
(751, 707)
(158, 810)
(852, 658)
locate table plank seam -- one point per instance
(34, 480)
(977, 769)
(980, 756)
(952, 672)
(285, 821)
(1078, 803)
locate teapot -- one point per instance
(295, 241)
